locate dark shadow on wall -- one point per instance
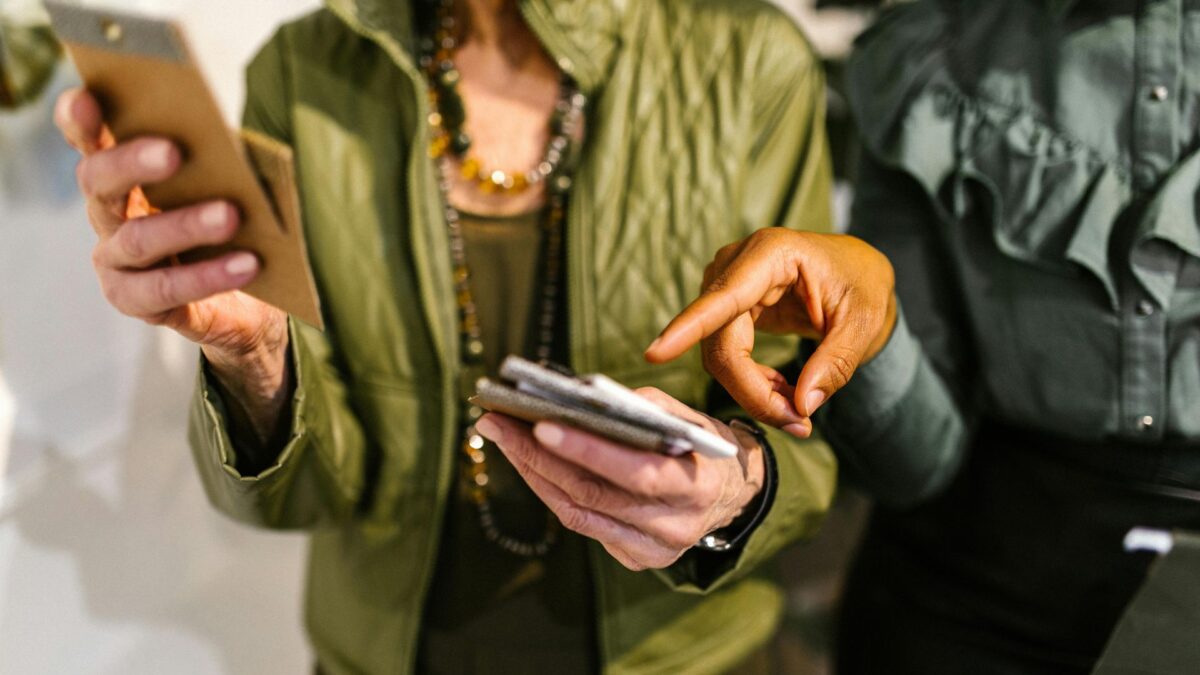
(157, 556)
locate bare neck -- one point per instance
(497, 26)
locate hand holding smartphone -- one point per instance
(149, 85)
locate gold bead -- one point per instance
(435, 119)
(475, 348)
(437, 147)
(470, 168)
(475, 442)
(481, 479)
(519, 182)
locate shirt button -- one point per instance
(1159, 93)
(1145, 422)
(1145, 308)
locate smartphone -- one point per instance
(148, 83)
(595, 403)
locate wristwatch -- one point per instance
(734, 534)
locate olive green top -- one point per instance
(490, 611)
(704, 124)
(1032, 169)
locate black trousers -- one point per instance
(1018, 568)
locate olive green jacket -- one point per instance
(705, 123)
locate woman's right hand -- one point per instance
(245, 340)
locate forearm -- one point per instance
(311, 473)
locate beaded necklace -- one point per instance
(446, 120)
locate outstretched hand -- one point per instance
(829, 287)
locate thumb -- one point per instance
(831, 366)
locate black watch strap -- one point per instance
(736, 533)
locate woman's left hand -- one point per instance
(645, 508)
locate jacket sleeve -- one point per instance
(317, 476)
(901, 425)
(788, 184)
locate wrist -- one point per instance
(258, 380)
(759, 496)
(257, 370)
(750, 455)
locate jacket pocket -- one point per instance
(403, 424)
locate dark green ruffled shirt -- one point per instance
(1032, 169)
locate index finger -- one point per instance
(744, 284)
(754, 277)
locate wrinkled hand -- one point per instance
(244, 339)
(646, 509)
(834, 288)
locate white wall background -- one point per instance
(111, 560)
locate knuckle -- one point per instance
(588, 492)
(634, 565)
(574, 519)
(163, 288)
(647, 484)
(83, 177)
(157, 319)
(133, 241)
(768, 237)
(716, 360)
(117, 294)
(681, 538)
(756, 407)
(99, 256)
(841, 367)
(112, 295)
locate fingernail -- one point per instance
(241, 264)
(813, 400)
(796, 429)
(549, 435)
(657, 341)
(155, 156)
(214, 215)
(489, 429)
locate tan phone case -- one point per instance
(148, 83)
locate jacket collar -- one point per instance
(581, 35)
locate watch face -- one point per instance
(28, 56)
